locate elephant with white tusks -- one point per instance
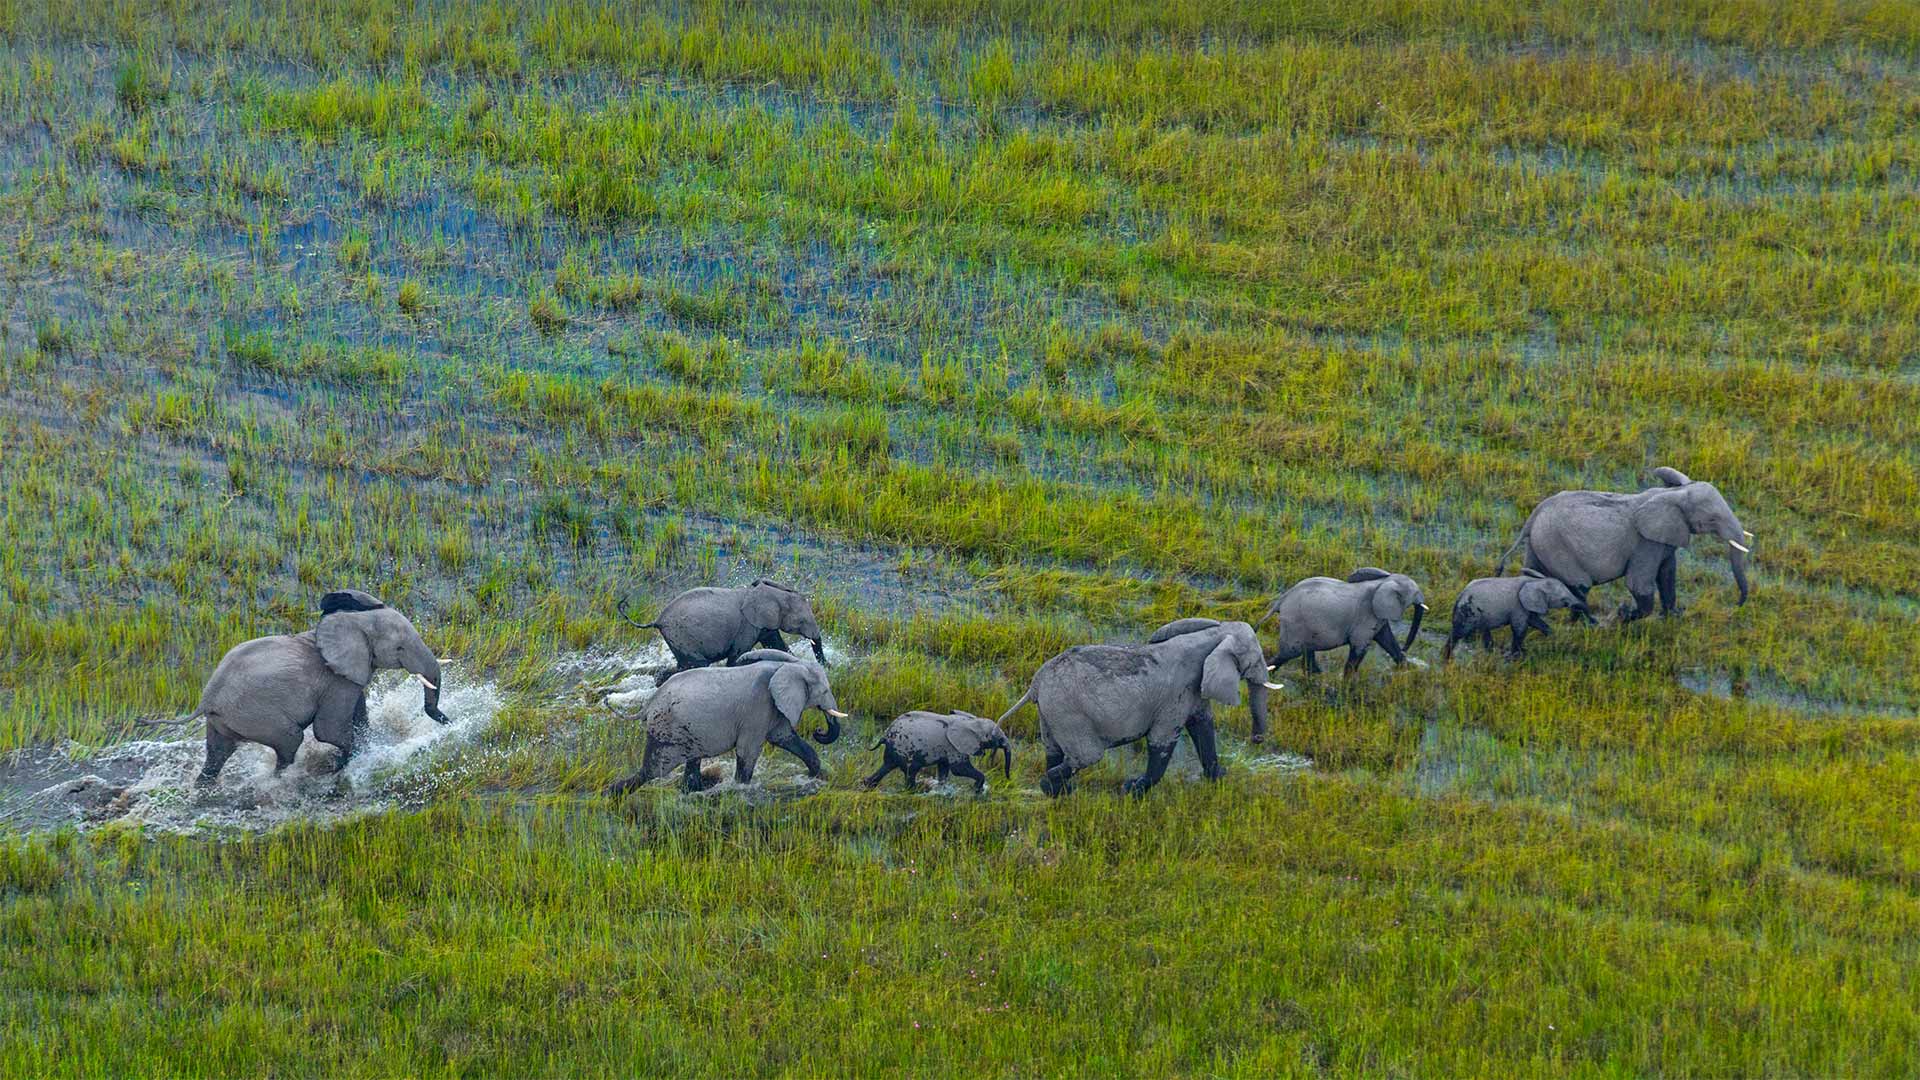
(1588, 538)
(1092, 698)
(708, 625)
(708, 711)
(271, 689)
(1321, 613)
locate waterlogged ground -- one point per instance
(404, 758)
(997, 329)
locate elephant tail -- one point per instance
(1017, 706)
(627, 615)
(1520, 541)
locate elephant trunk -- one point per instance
(825, 738)
(1738, 559)
(1257, 707)
(425, 667)
(1419, 613)
(1006, 752)
(819, 651)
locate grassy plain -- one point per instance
(1000, 331)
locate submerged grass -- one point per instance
(999, 329)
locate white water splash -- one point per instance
(151, 782)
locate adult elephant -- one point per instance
(708, 625)
(1588, 538)
(1092, 698)
(1321, 613)
(708, 711)
(271, 689)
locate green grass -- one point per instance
(1001, 329)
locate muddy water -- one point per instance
(150, 782)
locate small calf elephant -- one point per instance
(708, 711)
(1518, 602)
(919, 739)
(1321, 613)
(709, 625)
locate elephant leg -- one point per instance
(888, 762)
(1057, 777)
(286, 746)
(1538, 624)
(1486, 637)
(1312, 662)
(912, 771)
(343, 733)
(771, 639)
(690, 778)
(1663, 579)
(744, 760)
(792, 743)
(1200, 730)
(1446, 651)
(966, 769)
(1519, 646)
(1157, 758)
(1384, 639)
(1355, 654)
(220, 747)
(1643, 571)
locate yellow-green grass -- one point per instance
(1000, 329)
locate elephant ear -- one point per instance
(754, 656)
(1367, 573)
(762, 605)
(965, 737)
(348, 600)
(1180, 626)
(1389, 600)
(345, 648)
(1670, 477)
(1530, 572)
(1220, 676)
(1659, 518)
(1533, 597)
(789, 689)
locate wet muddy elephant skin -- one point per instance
(1521, 602)
(945, 741)
(1092, 698)
(709, 711)
(271, 689)
(1321, 613)
(1588, 538)
(713, 625)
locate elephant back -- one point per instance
(267, 674)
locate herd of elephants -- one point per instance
(735, 686)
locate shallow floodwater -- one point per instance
(402, 756)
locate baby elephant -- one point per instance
(1518, 602)
(947, 741)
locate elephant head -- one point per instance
(1677, 510)
(970, 734)
(1237, 658)
(1540, 594)
(1393, 594)
(359, 635)
(801, 685)
(773, 606)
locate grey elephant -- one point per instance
(1092, 698)
(708, 625)
(708, 711)
(1321, 613)
(1588, 538)
(1518, 602)
(945, 741)
(271, 689)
